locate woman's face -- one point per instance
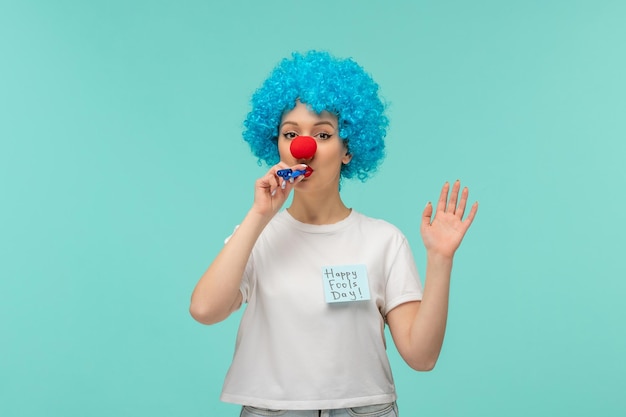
(331, 152)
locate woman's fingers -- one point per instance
(278, 182)
(472, 214)
(443, 197)
(456, 204)
(427, 214)
(272, 182)
(454, 197)
(460, 209)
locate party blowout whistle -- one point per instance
(290, 174)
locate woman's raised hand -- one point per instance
(443, 234)
(271, 191)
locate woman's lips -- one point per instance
(308, 171)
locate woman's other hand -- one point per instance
(443, 234)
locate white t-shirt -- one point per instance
(296, 351)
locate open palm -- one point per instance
(443, 234)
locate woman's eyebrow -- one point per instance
(321, 122)
(324, 122)
(287, 122)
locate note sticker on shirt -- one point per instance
(343, 283)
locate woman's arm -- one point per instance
(217, 293)
(418, 328)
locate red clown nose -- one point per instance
(303, 147)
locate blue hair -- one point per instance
(323, 82)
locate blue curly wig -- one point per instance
(323, 82)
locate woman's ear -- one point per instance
(347, 156)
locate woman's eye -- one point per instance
(324, 136)
(290, 135)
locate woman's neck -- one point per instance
(319, 210)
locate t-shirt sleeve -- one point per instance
(245, 286)
(403, 282)
(246, 280)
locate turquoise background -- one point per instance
(122, 169)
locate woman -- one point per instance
(320, 279)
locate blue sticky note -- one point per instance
(345, 283)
